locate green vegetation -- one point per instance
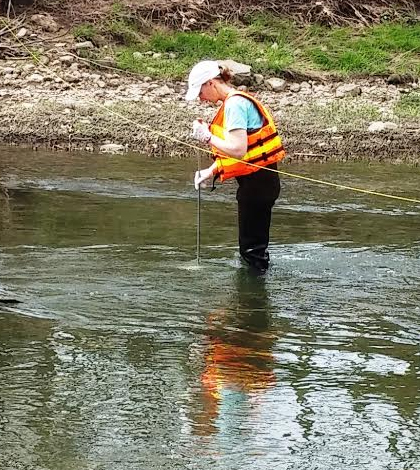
(35, 56)
(122, 31)
(381, 49)
(270, 45)
(118, 25)
(409, 105)
(87, 32)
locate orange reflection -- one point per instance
(238, 354)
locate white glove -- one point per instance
(201, 176)
(201, 131)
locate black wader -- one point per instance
(256, 196)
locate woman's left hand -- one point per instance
(201, 176)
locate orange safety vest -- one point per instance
(264, 145)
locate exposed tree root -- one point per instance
(188, 14)
(198, 14)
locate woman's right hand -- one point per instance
(201, 131)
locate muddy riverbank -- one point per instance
(65, 104)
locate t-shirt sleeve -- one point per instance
(241, 113)
(236, 113)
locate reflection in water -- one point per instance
(238, 354)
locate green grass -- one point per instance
(387, 48)
(222, 43)
(121, 26)
(122, 31)
(161, 68)
(85, 31)
(270, 45)
(409, 105)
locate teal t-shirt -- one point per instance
(241, 113)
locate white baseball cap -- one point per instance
(200, 74)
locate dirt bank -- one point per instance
(318, 121)
(61, 102)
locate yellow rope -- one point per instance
(195, 147)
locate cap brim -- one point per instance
(192, 93)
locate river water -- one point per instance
(124, 354)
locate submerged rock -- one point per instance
(9, 301)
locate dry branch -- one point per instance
(188, 14)
(199, 14)
(11, 25)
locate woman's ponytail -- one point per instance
(225, 73)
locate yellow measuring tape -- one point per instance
(195, 147)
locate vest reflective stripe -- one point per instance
(264, 145)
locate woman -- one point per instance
(243, 139)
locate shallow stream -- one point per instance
(124, 354)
